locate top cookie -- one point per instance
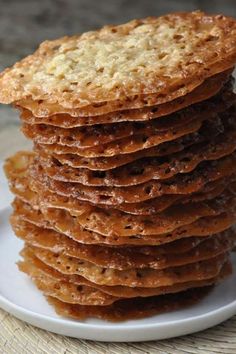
(152, 60)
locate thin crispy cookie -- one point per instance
(215, 85)
(143, 62)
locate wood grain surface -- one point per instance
(17, 337)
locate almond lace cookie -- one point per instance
(34, 267)
(155, 257)
(70, 157)
(58, 220)
(22, 187)
(210, 88)
(144, 62)
(126, 204)
(100, 134)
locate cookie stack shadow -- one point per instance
(128, 212)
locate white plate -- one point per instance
(19, 297)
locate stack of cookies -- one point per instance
(127, 201)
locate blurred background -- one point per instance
(26, 23)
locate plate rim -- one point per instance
(134, 333)
(4, 301)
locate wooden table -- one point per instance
(17, 337)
